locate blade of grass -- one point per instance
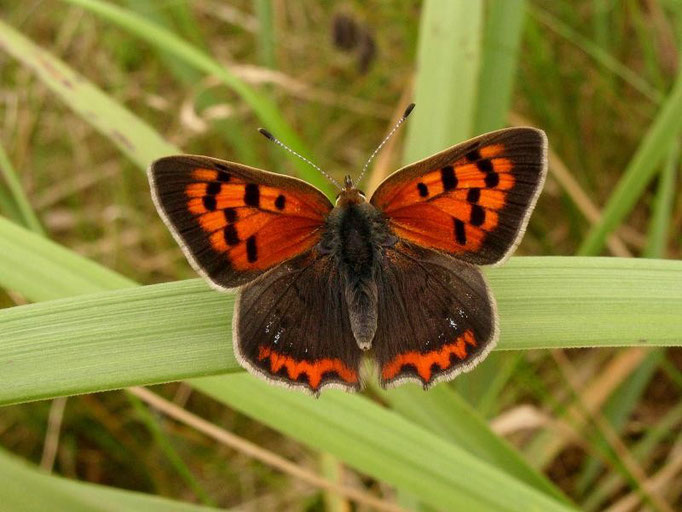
(380, 442)
(27, 489)
(31, 252)
(8, 207)
(501, 41)
(597, 53)
(130, 134)
(449, 46)
(11, 179)
(266, 33)
(617, 410)
(655, 145)
(150, 421)
(178, 330)
(43, 270)
(264, 108)
(662, 209)
(444, 412)
(643, 449)
(623, 401)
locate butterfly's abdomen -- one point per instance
(356, 232)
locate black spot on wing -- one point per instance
(460, 233)
(230, 215)
(423, 189)
(252, 195)
(213, 188)
(448, 178)
(473, 155)
(230, 234)
(484, 165)
(492, 179)
(251, 249)
(209, 203)
(477, 215)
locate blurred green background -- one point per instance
(589, 429)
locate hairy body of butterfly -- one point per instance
(356, 237)
(394, 279)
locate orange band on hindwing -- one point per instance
(422, 363)
(311, 371)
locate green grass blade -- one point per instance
(444, 412)
(617, 410)
(501, 40)
(24, 488)
(43, 270)
(173, 458)
(132, 136)
(657, 143)
(449, 48)
(263, 107)
(28, 216)
(381, 443)
(642, 450)
(659, 225)
(598, 53)
(178, 330)
(266, 33)
(114, 340)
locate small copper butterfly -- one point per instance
(394, 279)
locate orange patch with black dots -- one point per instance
(254, 226)
(446, 357)
(314, 373)
(456, 207)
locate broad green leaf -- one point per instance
(25, 488)
(179, 330)
(382, 443)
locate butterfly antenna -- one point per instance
(271, 137)
(407, 112)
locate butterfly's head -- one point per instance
(349, 194)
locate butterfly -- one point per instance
(322, 286)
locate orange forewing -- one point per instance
(235, 222)
(471, 200)
(281, 226)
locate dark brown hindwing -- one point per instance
(291, 326)
(437, 317)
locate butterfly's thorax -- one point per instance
(356, 237)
